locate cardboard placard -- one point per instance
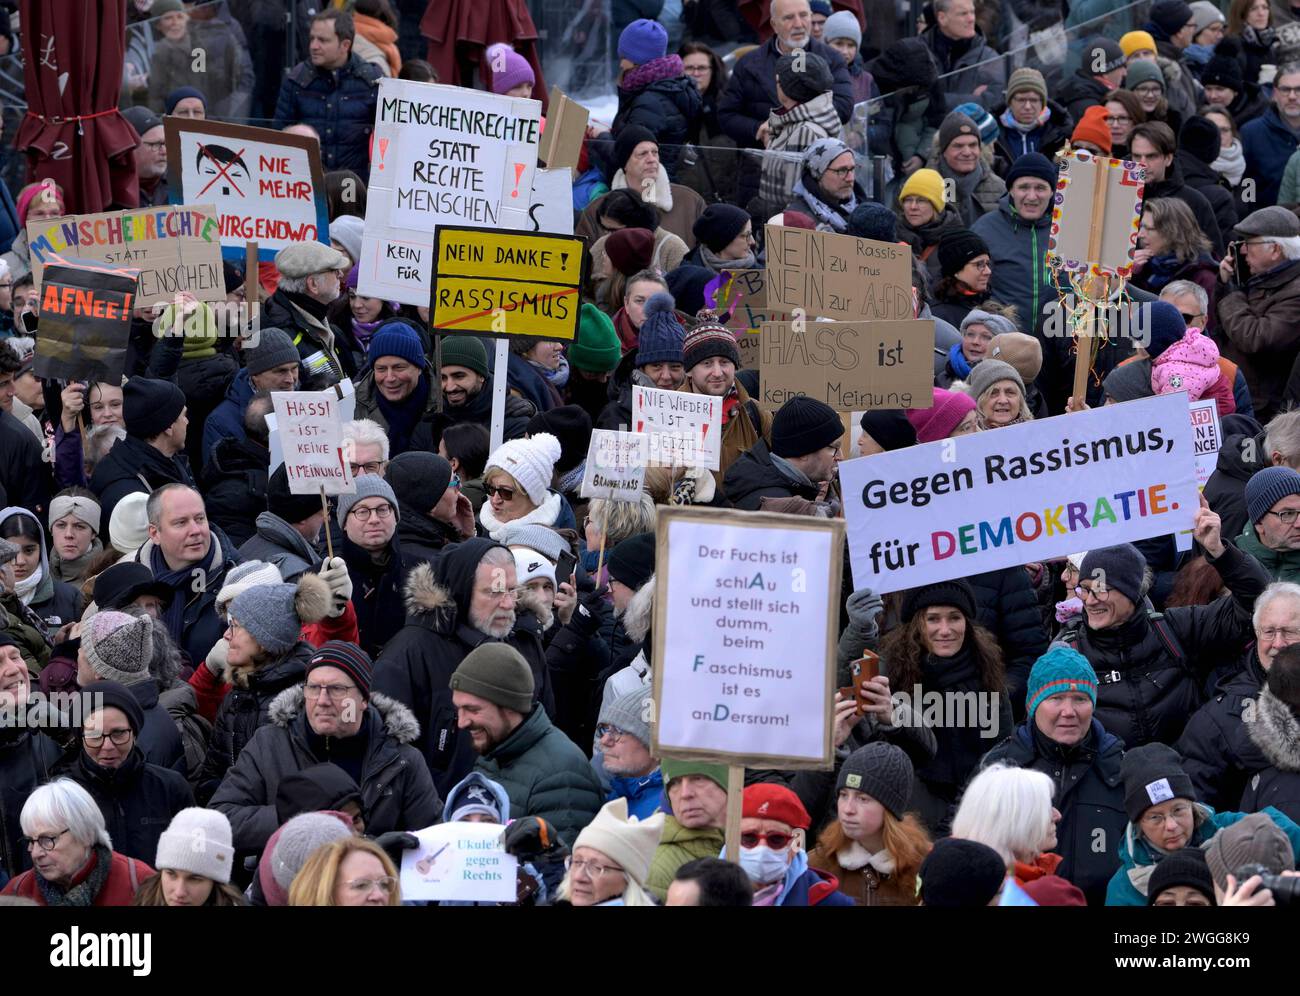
(685, 429)
(443, 155)
(460, 861)
(309, 426)
(85, 313)
(1025, 493)
(1086, 186)
(176, 248)
(745, 635)
(506, 283)
(740, 298)
(551, 208)
(840, 277)
(566, 126)
(268, 187)
(615, 467)
(851, 366)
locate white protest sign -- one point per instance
(309, 427)
(1026, 493)
(1207, 437)
(463, 861)
(746, 622)
(347, 393)
(551, 207)
(442, 155)
(616, 463)
(685, 429)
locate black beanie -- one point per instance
(109, 694)
(686, 284)
(961, 874)
(802, 86)
(804, 425)
(571, 425)
(290, 507)
(1185, 867)
(1200, 137)
(150, 406)
(1224, 71)
(632, 562)
(889, 427)
(958, 248)
(419, 479)
(1153, 773)
(719, 225)
(957, 593)
(628, 139)
(870, 220)
(233, 276)
(1122, 567)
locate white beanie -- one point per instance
(630, 843)
(530, 564)
(198, 841)
(128, 526)
(531, 462)
(249, 574)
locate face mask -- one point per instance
(763, 865)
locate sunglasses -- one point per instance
(506, 494)
(1189, 319)
(775, 839)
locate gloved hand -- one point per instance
(335, 574)
(395, 842)
(586, 615)
(532, 837)
(864, 605)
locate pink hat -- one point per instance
(950, 407)
(1191, 364)
(514, 68)
(29, 194)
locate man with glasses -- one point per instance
(623, 734)
(1258, 304)
(150, 155)
(1272, 534)
(1269, 140)
(332, 717)
(1153, 145)
(369, 520)
(1035, 123)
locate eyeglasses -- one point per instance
(1101, 593)
(843, 172)
(1027, 99)
(499, 490)
(373, 467)
(361, 886)
(1273, 633)
(604, 730)
(592, 869)
(118, 737)
(981, 264)
(1287, 91)
(1288, 517)
(47, 841)
(1111, 119)
(154, 146)
(775, 839)
(1155, 821)
(330, 691)
(363, 514)
(1149, 91)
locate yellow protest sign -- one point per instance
(506, 283)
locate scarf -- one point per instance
(85, 891)
(957, 360)
(836, 217)
(403, 416)
(984, 426)
(1198, 55)
(1159, 270)
(666, 67)
(27, 587)
(1009, 120)
(966, 184)
(570, 482)
(544, 514)
(730, 405)
(663, 198)
(769, 894)
(362, 331)
(1231, 164)
(1254, 36)
(74, 571)
(717, 264)
(558, 377)
(180, 581)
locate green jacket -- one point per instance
(545, 774)
(678, 845)
(1282, 565)
(31, 644)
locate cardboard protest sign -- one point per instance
(268, 187)
(1024, 493)
(309, 426)
(685, 429)
(849, 365)
(745, 631)
(85, 321)
(551, 207)
(566, 126)
(1207, 438)
(443, 155)
(460, 861)
(740, 298)
(616, 463)
(176, 248)
(838, 276)
(506, 283)
(1095, 214)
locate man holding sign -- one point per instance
(711, 358)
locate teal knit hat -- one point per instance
(1061, 669)
(596, 349)
(465, 351)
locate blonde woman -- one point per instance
(517, 480)
(348, 872)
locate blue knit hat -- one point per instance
(643, 41)
(396, 339)
(1033, 164)
(1061, 669)
(1268, 487)
(1165, 325)
(662, 334)
(870, 220)
(985, 122)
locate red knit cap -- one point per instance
(1092, 128)
(768, 801)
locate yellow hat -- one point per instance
(1136, 41)
(925, 183)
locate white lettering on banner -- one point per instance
(309, 427)
(615, 467)
(685, 429)
(1024, 493)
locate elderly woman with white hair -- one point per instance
(999, 393)
(1010, 810)
(73, 860)
(611, 859)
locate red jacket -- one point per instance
(124, 878)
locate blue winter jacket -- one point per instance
(339, 104)
(1267, 144)
(227, 419)
(643, 795)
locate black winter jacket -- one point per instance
(138, 800)
(478, 408)
(1200, 177)
(1276, 732)
(28, 758)
(1081, 91)
(1242, 454)
(1175, 185)
(669, 107)
(1218, 752)
(234, 486)
(396, 790)
(754, 477)
(422, 538)
(376, 593)
(159, 740)
(277, 542)
(133, 465)
(1006, 606)
(24, 476)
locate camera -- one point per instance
(1286, 890)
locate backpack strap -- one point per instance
(1168, 639)
(756, 420)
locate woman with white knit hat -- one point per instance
(195, 858)
(517, 480)
(611, 859)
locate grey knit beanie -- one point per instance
(882, 771)
(496, 672)
(274, 348)
(299, 839)
(543, 539)
(986, 373)
(119, 647)
(1253, 840)
(274, 614)
(630, 713)
(368, 486)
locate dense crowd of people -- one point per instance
(215, 691)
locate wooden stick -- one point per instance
(325, 506)
(1083, 355)
(735, 806)
(251, 284)
(600, 557)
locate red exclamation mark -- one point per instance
(519, 172)
(383, 151)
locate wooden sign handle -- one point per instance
(735, 806)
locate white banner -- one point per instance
(685, 429)
(1207, 437)
(1026, 493)
(309, 427)
(616, 463)
(551, 207)
(462, 861)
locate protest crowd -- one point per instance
(220, 688)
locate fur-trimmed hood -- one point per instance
(399, 722)
(1276, 731)
(431, 603)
